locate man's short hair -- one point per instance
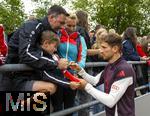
(113, 39)
(49, 35)
(57, 10)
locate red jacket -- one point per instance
(140, 50)
(3, 45)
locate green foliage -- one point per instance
(118, 14)
(44, 5)
(11, 14)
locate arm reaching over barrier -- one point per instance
(74, 85)
(71, 77)
(75, 66)
(66, 73)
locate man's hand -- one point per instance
(62, 63)
(74, 85)
(74, 66)
(83, 83)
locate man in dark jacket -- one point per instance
(24, 47)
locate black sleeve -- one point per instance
(29, 52)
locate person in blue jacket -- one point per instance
(130, 53)
(73, 48)
(129, 45)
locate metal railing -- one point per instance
(98, 64)
(86, 105)
(89, 104)
(23, 67)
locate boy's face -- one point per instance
(50, 47)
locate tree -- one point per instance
(145, 10)
(44, 5)
(11, 14)
(118, 14)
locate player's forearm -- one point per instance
(118, 88)
(104, 98)
(90, 79)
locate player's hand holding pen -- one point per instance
(75, 66)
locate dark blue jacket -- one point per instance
(24, 48)
(129, 52)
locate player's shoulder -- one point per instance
(124, 69)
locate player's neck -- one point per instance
(115, 58)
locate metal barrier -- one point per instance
(23, 67)
(89, 104)
(97, 64)
(86, 105)
(142, 106)
(14, 67)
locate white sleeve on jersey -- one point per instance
(118, 88)
(90, 79)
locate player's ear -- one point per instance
(115, 48)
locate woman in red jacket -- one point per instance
(142, 49)
(3, 45)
